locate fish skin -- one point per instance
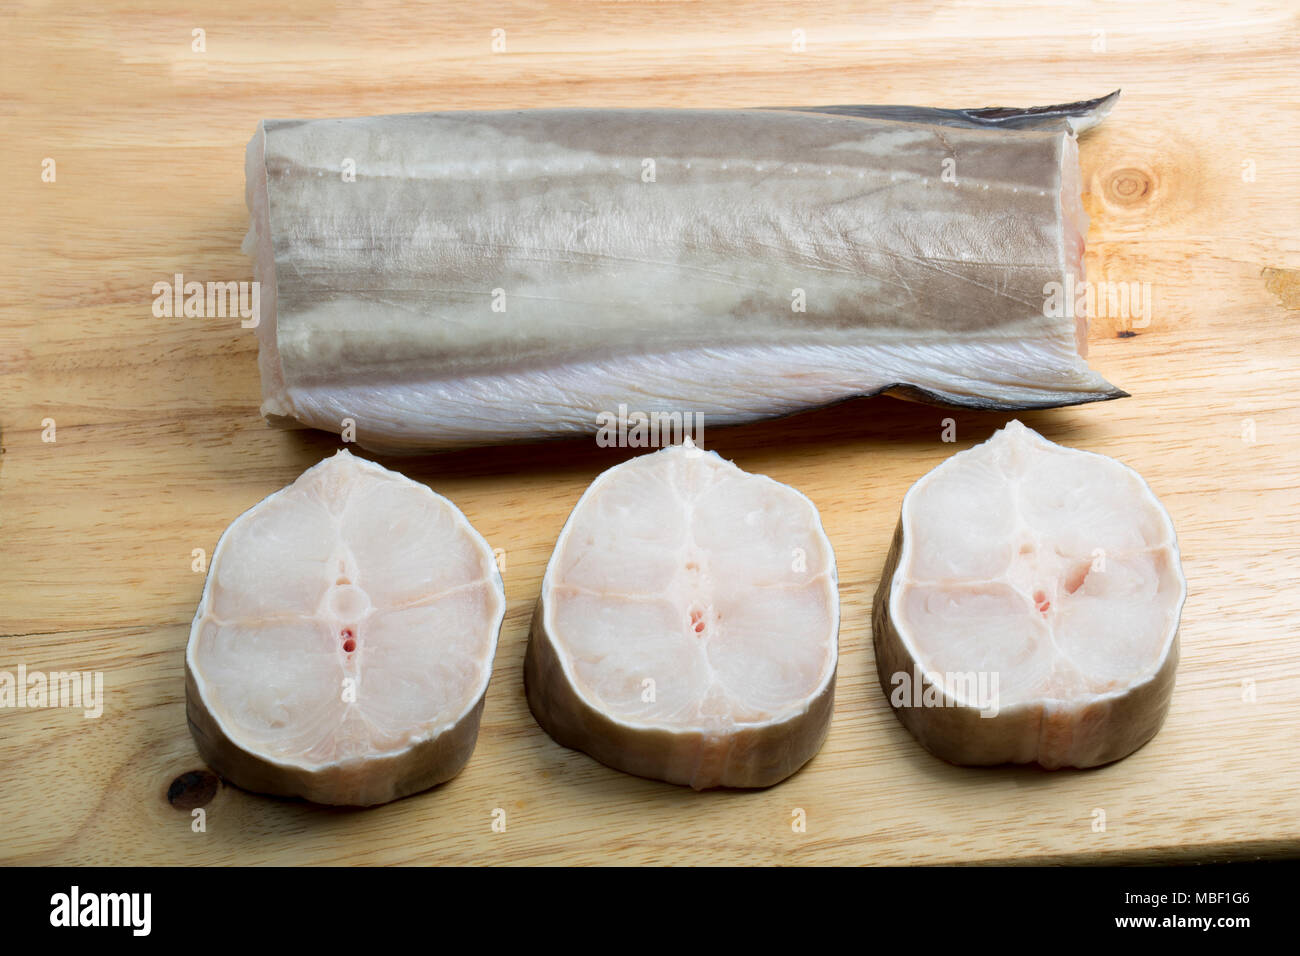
(668, 296)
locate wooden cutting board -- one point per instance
(1194, 188)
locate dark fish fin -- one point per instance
(1079, 117)
(914, 393)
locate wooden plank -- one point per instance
(159, 444)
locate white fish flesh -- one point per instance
(344, 641)
(443, 279)
(1029, 607)
(688, 624)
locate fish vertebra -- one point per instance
(440, 279)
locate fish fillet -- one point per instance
(1028, 611)
(344, 640)
(442, 279)
(688, 624)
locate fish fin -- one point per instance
(927, 396)
(1078, 117)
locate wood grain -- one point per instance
(159, 444)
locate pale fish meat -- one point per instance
(440, 279)
(688, 624)
(1029, 607)
(343, 645)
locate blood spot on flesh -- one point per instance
(1077, 577)
(1041, 602)
(349, 640)
(697, 621)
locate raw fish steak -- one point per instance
(688, 624)
(442, 279)
(1028, 611)
(344, 640)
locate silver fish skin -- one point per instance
(435, 280)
